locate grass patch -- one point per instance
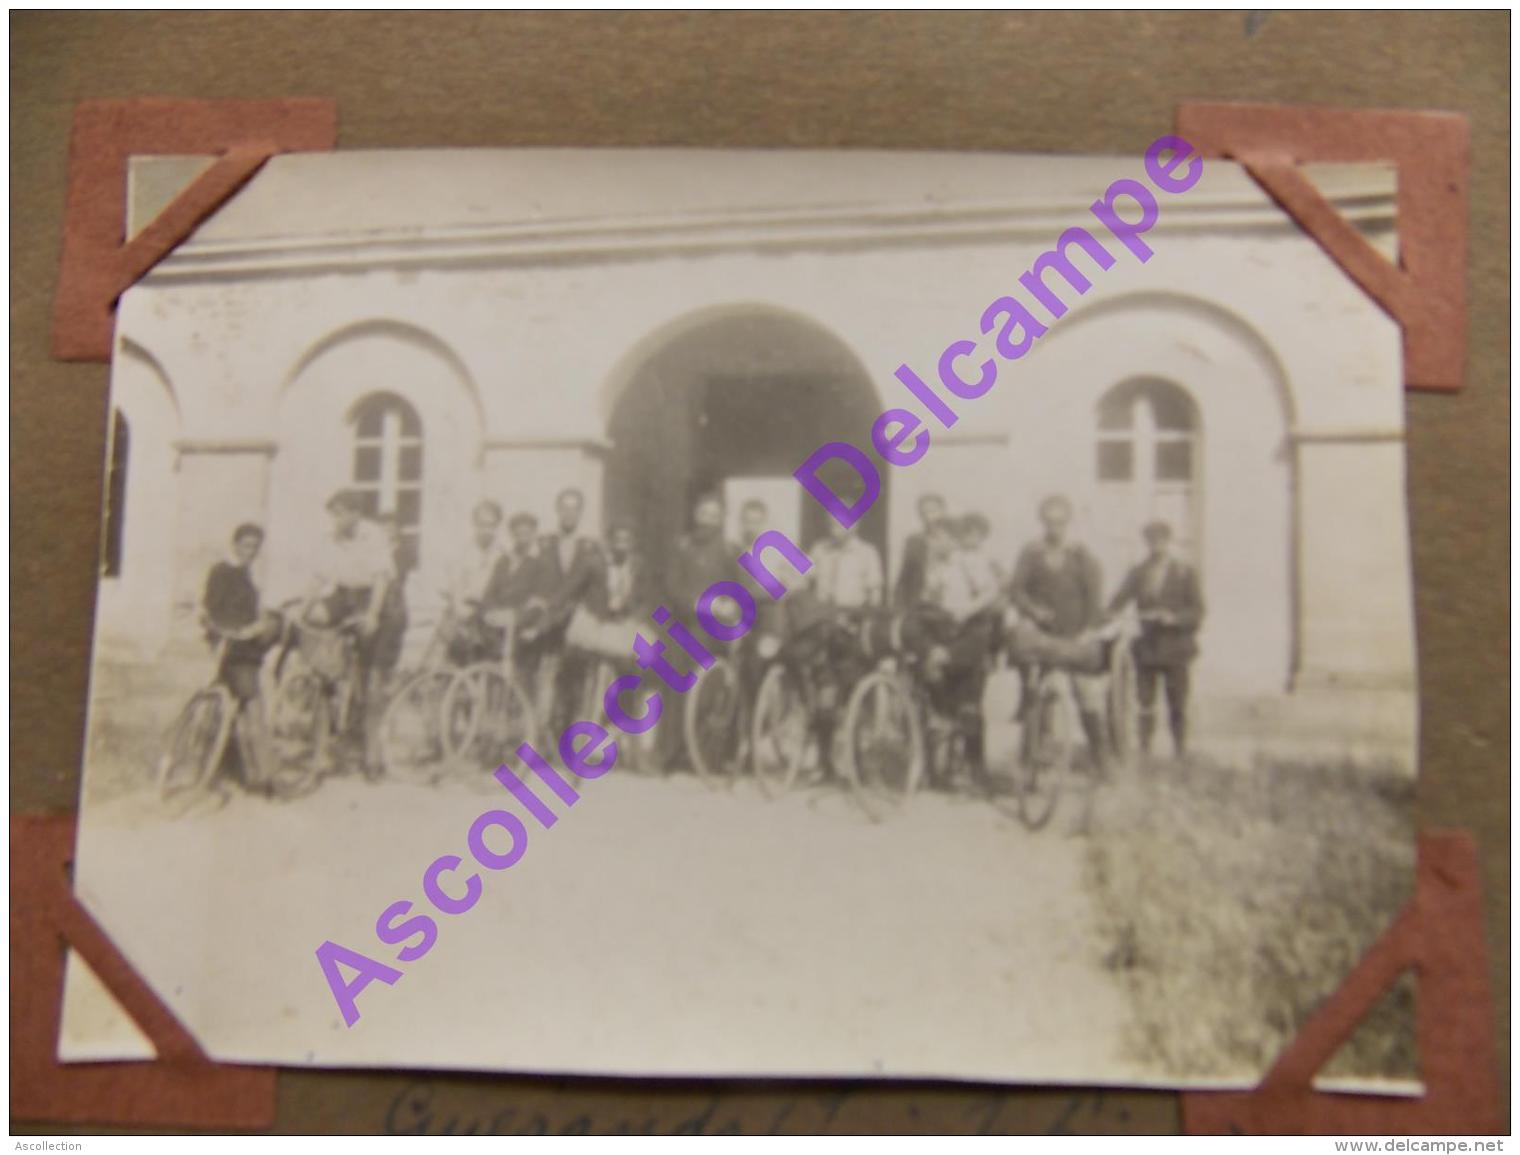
(1233, 901)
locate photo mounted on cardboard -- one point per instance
(799, 614)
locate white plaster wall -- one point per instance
(1356, 566)
(136, 603)
(216, 492)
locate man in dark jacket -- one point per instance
(911, 578)
(517, 593)
(231, 613)
(1166, 596)
(1058, 584)
(700, 557)
(574, 570)
(624, 592)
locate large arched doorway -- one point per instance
(733, 401)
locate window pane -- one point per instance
(1116, 410)
(409, 507)
(367, 463)
(1173, 408)
(369, 417)
(368, 420)
(1116, 460)
(1174, 460)
(411, 463)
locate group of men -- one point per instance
(961, 594)
(357, 582)
(535, 583)
(1056, 587)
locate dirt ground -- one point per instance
(664, 926)
(659, 926)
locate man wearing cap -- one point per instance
(353, 571)
(1058, 584)
(1166, 597)
(354, 566)
(468, 578)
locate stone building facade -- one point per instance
(506, 324)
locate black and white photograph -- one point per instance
(789, 613)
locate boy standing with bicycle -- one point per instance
(230, 611)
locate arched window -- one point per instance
(116, 496)
(1148, 461)
(387, 467)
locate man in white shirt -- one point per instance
(353, 572)
(468, 579)
(947, 583)
(353, 567)
(956, 627)
(960, 575)
(847, 571)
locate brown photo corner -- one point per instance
(1059, 83)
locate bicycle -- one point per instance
(795, 719)
(314, 708)
(488, 708)
(710, 723)
(196, 743)
(1050, 712)
(418, 736)
(913, 718)
(884, 750)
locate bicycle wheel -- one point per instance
(300, 735)
(1123, 712)
(781, 733)
(195, 743)
(486, 716)
(414, 732)
(710, 723)
(1047, 758)
(883, 743)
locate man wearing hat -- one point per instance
(354, 570)
(1170, 607)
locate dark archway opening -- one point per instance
(735, 404)
(118, 458)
